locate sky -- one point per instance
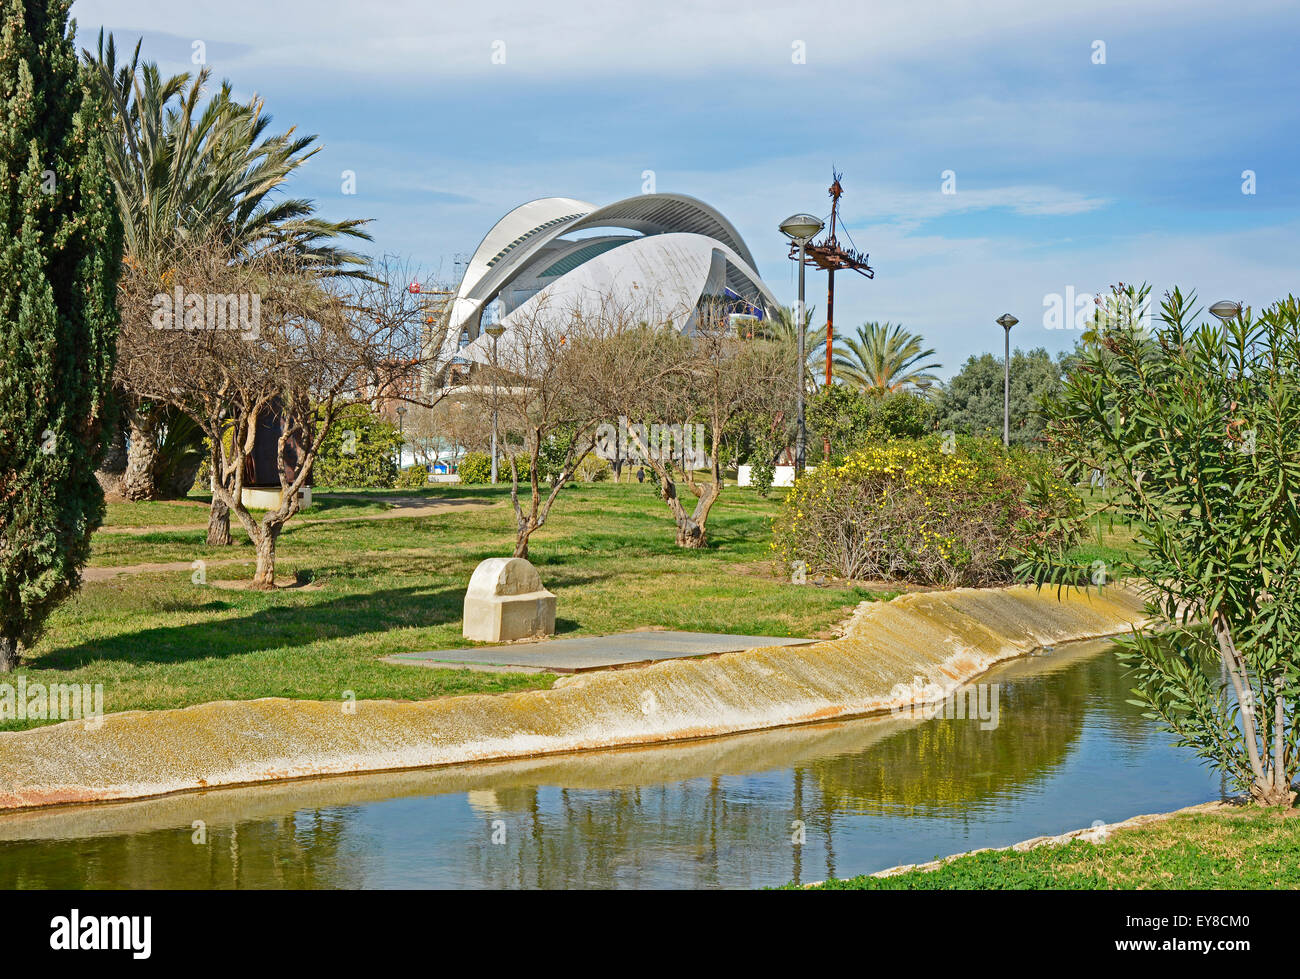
(994, 155)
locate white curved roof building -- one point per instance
(657, 256)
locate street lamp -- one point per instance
(1006, 321)
(494, 331)
(800, 228)
(401, 448)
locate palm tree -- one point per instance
(183, 173)
(779, 326)
(882, 359)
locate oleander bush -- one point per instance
(931, 511)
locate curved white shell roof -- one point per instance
(657, 278)
(528, 240)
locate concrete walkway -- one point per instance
(592, 652)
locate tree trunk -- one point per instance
(264, 578)
(524, 527)
(689, 533)
(114, 460)
(8, 654)
(1281, 777)
(218, 523)
(109, 473)
(1268, 793)
(218, 513)
(138, 482)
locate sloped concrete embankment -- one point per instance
(917, 647)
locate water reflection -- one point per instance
(857, 795)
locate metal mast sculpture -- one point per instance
(829, 255)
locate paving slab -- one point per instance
(593, 652)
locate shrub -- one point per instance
(761, 475)
(971, 403)
(414, 477)
(475, 467)
(359, 450)
(907, 510)
(525, 467)
(594, 469)
(58, 319)
(853, 420)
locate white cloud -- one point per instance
(575, 38)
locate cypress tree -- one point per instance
(60, 257)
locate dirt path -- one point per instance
(97, 574)
(106, 574)
(400, 506)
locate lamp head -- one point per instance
(1007, 321)
(801, 228)
(1226, 309)
(495, 330)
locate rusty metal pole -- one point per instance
(830, 256)
(835, 192)
(830, 318)
(830, 340)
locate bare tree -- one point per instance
(544, 376)
(458, 422)
(267, 346)
(666, 383)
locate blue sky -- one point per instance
(1069, 174)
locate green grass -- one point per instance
(1231, 848)
(194, 511)
(1107, 540)
(380, 587)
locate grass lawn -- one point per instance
(378, 587)
(194, 511)
(1107, 539)
(1232, 847)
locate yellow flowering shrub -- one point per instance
(908, 510)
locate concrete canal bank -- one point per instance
(918, 648)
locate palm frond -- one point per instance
(883, 358)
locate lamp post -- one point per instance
(800, 228)
(401, 439)
(1006, 321)
(494, 331)
(1225, 310)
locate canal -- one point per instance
(1062, 751)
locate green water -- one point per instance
(798, 804)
